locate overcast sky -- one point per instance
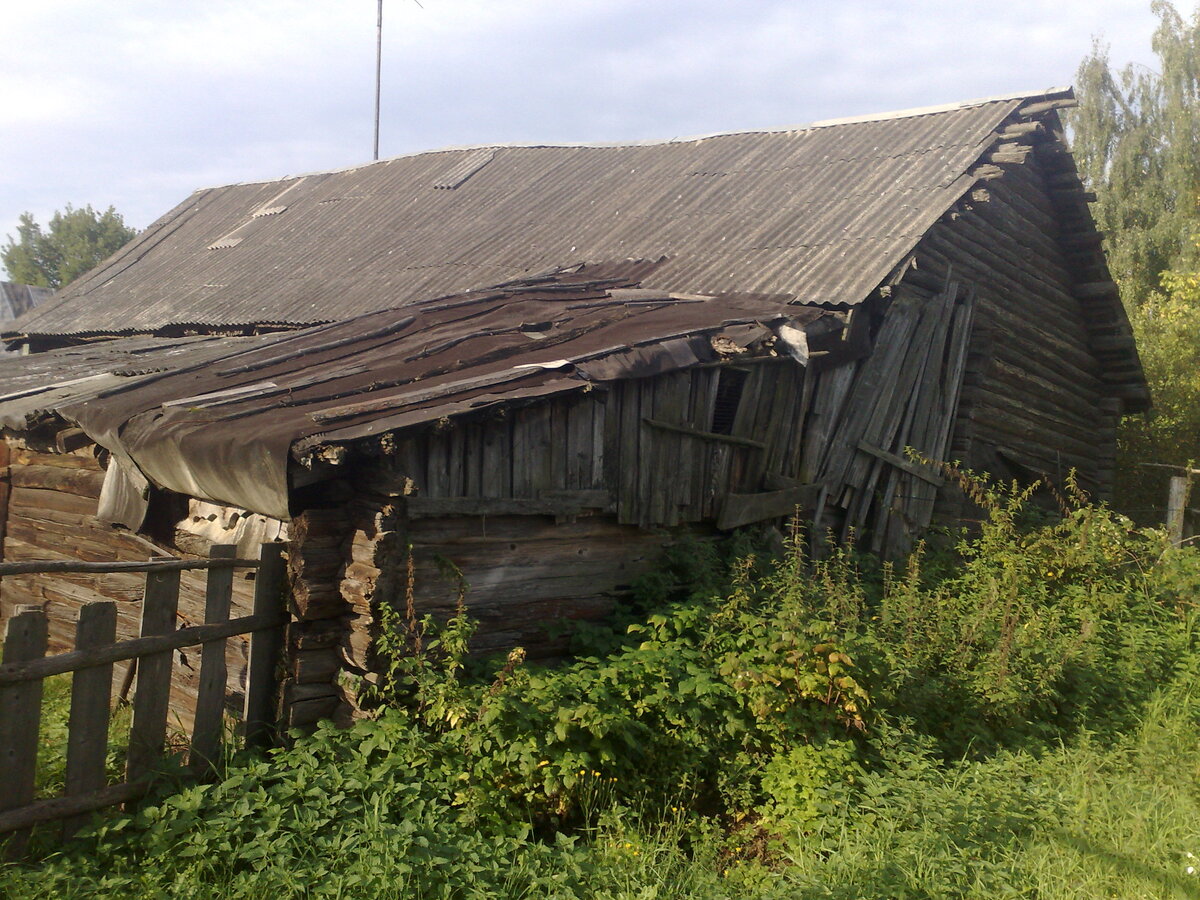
(139, 102)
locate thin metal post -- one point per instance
(378, 71)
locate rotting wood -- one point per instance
(902, 464)
(68, 807)
(705, 435)
(41, 566)
(259, 712)
(91, 697)
(553, 504)
(210, 693)
(70, 439)
(743, 509)
(189, 636)
(21, 709)
(151, 699)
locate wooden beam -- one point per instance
(40, 566)
(901, 463)
(705, 435)
(744, 509)
(260, 710)
(65, 807)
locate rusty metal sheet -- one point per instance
(226, 419)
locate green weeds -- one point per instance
(1017, 719)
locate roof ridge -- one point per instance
(913, 112)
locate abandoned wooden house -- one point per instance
(538, 364)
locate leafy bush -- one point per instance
(784, 728)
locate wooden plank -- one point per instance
(40, 566)
(541, 440)
(21, 709)
(260, 715)
(743, 509)
(629, 438)
(496, 464)
(151, 699)
(4, 492)
(522, 453)
(704, 435)
(91, 699)
(67, 807)
(210, 694)
(1177, 500)
(901, 463)
(472, 459)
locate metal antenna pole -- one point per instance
(378, 71)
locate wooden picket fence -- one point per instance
(25, 665)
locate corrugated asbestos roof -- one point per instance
(220, 418)
(820, 213)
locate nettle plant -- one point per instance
(1022, 637)
(757, 686)
(694, 699)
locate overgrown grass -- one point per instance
(1023, 721)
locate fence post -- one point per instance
(91, 696)
(210, 697)
(1177, 501)
(260, 713)
(152, 696)
(21, 712)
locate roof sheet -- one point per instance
(16, 299)
(820, 213)
(220, 418)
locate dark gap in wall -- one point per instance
(730, 384)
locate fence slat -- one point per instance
(259, 709)
(210, 698)
(153, 692)
(91, 696)
(21, 711)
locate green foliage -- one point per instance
(1167, 327)
(1136, 138)
(75, 241)
(1038, 632)
(967, 726)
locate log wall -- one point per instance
(1035, 403)
(521, 576)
